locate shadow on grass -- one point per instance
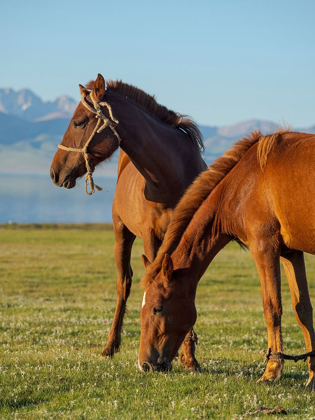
(229, 367)
(33, 398)
(24, 401)
(235, 368)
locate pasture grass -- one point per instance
(57, 288)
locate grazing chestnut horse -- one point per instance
(159, 158)
(260, 193)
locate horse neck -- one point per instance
(201, 241)
(164, 155)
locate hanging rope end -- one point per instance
(89, 181)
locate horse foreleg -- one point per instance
(123, 245)
(268, 265)
(293, 263)
(187, 357)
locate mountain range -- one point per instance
(30, 107)
(31, 129)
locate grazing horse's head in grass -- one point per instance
(167, 314)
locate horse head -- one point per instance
(90, 138)
(167, 314)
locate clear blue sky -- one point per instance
(219, 61)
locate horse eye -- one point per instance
(80, 123)
(157, 310)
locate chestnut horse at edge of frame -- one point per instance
(261, 194)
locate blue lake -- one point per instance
(34, 199)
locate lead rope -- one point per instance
(97, 110)
(270, 355)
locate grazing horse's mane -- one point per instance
(200, 189)
(148, 103)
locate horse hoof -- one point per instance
(108, 351)
(310, 384)
(269, 377)
(264, 379)
(195, 367)
(106, 354)
(190, 364)
(273, 372)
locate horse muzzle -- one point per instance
(67, 182)
(162, 365)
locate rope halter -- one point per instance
(111, 123)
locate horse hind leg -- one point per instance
(293, 263)
(123, 245)
(268, 265)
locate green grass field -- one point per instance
(57, 288)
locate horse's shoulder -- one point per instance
(123, 161)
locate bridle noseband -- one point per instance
(111, 123)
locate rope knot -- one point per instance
(99, 114)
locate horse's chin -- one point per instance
(69, 183)
(163, 366)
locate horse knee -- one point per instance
(273, 312)
(123, 287)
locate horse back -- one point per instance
(290, 186)
(276, 200)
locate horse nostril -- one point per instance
(54, 176)
(146, 367)
(162, 361)
(163, 365)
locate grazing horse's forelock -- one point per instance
(200, 189)
(148, 103)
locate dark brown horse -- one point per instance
(159, 158)
(261, 193)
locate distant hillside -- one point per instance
(219, 139)
(26, 105)
(15, 129)
(31, 130)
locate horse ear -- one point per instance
(167, 267)
(99, 87)
(83, 90)
(145, 261)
